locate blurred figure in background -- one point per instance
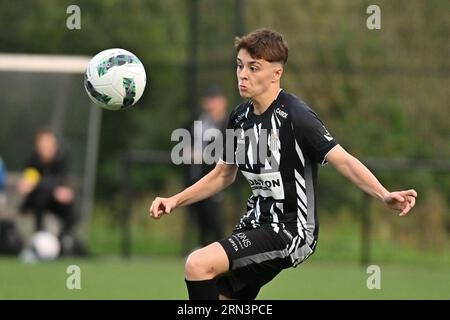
(10, 240)
(206, 214)
(44, 187)
(2, 184)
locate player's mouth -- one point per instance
(243, 88)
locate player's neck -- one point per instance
(262, 102)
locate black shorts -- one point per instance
(256, 256)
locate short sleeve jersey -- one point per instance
(278, 152)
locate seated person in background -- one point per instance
(44, 184)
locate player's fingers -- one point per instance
(156, 215)
(159, 207)
(405, 210)
(157, 212)
(410, 192)
(155, 207)
(412, 201)
(150, 210)
(155, 203)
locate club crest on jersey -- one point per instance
(275, 144)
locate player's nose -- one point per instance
(243, 75)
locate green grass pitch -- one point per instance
(163, 278)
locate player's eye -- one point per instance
(240, 66)
(253, 68)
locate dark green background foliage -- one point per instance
(382, 93)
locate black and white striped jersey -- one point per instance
(278, 152)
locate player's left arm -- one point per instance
(356, 172)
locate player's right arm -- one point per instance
(215, 181)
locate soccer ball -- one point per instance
(115, 79)
(45, 246)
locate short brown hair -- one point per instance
(264, 44)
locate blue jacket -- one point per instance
(2, 175)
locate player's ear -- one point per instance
(277, 72)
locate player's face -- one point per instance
(46, 147)
(254, 76)
(215, 106)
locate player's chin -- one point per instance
(244, 94)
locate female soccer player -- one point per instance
(277, 143)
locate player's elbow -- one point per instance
(226, 174)
(229, 179)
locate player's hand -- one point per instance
(161, 206)
(63, 194)
(25, 187)
(402, 201)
